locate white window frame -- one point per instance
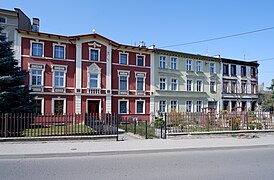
(165, 83)
(172, 63)
(120, 57)
(165, 110)
(128, 74)
(43, 48)
(200, 106)
(119, 100)
(53, 76)
(42, 104)
(202, 85)
(215, 86)
(62, 45)
(171, 83)
(140, 100)
(188, 65)
(99, 53)
(30, 74)
(6, 34)
(212, 67)
(200, 66)
(144, 61)
(176, 108)
(162, 61)
(140, 75)
(191, 85)
(64, 105)
(191, 108)
(94, 69)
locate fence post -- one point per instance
(134, 127)
(6, 125)
(117, 127)
(126, 124)
(165, 124)
(247, 120)
(146, 129)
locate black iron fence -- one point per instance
(36, 125)
(207, 122)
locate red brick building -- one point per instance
(85, 73)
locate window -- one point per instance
(162, 62)
(173, 63)
(199, 86)
(162, 83)
(123, 107)
(3, 36)
(123, 58)
(38, 106)
(59, 79)
(94, 55)
(140, 60)
(37, 49)
(243, 71)
(36, 77)
(199, 106)
(253, 72)
(233, 87)
(233, 70)
(140, 83)
(3, 20)
(225, 69)
(189, 65)
(93, 81)
(59, 52)
(173, 84)
(198, 66)
(212, 68)
(140, 108)
(162, 106)
(212, 86)
(253, 88)
(243, 87)
(189, 85)
(188, 106)
(225, 87)
(123, 83)
(173, 105)
(58, 107)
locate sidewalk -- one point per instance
(13, 150)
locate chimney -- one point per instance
(35, 24)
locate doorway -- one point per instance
(93, 106)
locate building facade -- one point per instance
(86, 74)
(186, 82)
(240, 85)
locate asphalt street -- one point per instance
(234, 164)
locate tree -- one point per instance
(14, 95)
(268, 99)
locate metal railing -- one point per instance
(36, 125)
(207, 122)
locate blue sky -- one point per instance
(166, 23)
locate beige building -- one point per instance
(186, 82)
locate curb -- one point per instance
(129, 152)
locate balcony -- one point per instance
(93, 91)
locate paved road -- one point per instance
(219, 164)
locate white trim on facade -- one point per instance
(43, 47)
(64, 104)
(144, 105)
(119, 100)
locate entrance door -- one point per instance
(93, 106)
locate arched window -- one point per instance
(94, 77)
